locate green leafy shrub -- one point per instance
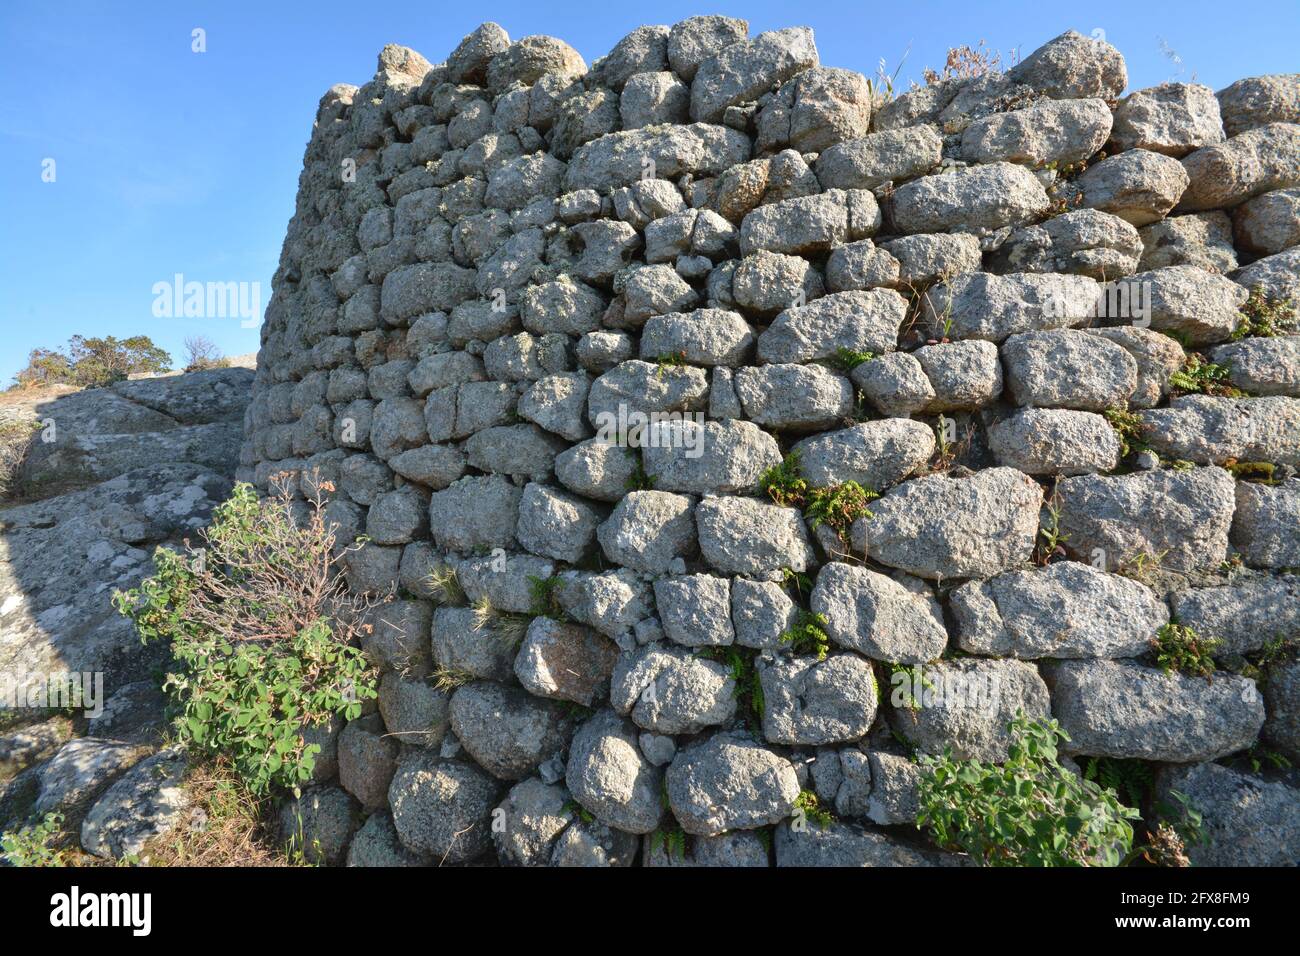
(93, 362)
(1178, 647)
(263, 631)
(32, 845)
(1028, 811)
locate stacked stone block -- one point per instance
(498, 261)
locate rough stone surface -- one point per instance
(1066, 609)
(557, 329)
(1127, 710)
(729, 782)
(941, 527)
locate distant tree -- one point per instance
(44, 367)
(93, 362)
(202, 353)
(97, 362)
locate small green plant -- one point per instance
(913, 678)
(809, 808)
(740, 664)
(1198, 376)
(669, 360)
(784, 483)
(801, 582)
(1131, 779)
(1130, 429)
(264, 630)
(808, 635)
(1266, 316)
(846, 360)
(638, 480)
(1027, 811)
(838, 506)
(1257, 756)
(578, 810)
(1178, 647)
(32, 845)
(672, 840)
(545, 595)
(1051, 539)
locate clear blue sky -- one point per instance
(171, 162)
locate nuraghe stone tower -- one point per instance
(552, 328)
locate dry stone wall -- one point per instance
(548, 326)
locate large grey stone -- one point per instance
(1127, 710)
(942, 527)
(608, 775)
(1066, 609)
(1179, 519)
(813, 702)
(880, 617)
(745, 70)
(746, 536)
(968, 704)
(442, 808)
(729, 782)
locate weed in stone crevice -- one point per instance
(1051, 539)
(808, 809)
(505, 625)
(741, 664)
(545, 595)
(836, 506)
(1178, 647)
(808, 635)
(447, 679)
(1129, 428)
(846, 360)
(638, 480)
(1197, 376)
(1264, 316)
(444, 587)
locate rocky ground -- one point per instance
(127, 468)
